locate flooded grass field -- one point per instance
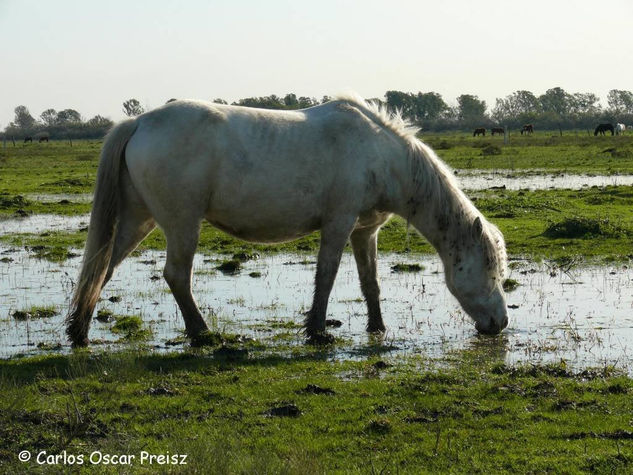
(557, 312)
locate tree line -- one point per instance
(555, 109)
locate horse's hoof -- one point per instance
(206, 338)
(376, 329)
(320, 339)
(79, 342)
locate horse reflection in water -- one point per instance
(344, 168)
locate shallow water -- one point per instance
(57, 197)
(583, 317)
(40, 223)
(512, 180)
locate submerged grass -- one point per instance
(36, 312)
(268, 413)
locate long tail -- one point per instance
(101, 233)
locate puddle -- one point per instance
(40, 223)
(484, 179)
(582, 317)
(57, 197)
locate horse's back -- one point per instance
(248, 170)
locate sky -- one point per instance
(93, 55)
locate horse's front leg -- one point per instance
(364, 244)
(334, 235)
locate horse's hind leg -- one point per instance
(131, 230)
(135, 223)
(364, 243)
(181, 247)
(333, 238)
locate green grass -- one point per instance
(574, 152)
(53, 167)
(475, 415)
(35, 312)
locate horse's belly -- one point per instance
(265, 231)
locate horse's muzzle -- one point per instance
(493, 328)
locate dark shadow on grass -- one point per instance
(82, 363)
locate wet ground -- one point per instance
(534, 180)
(582, 316)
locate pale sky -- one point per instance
(93, 55)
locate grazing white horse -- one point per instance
(343, 168)
(619, 129)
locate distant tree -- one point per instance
(266, 102)
(290, 101)
(556, 101)
(584, 103)
(305, 102)
(325, 99)
(132, 108)
(219, 101)
(99, 122)
(68, 116)
(403, 102)
(470, 108)
(429, 106)
(23, 118)
(620, 102)
(49, 117)
(518, 106)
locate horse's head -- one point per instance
(474, 275)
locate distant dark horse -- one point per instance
(528, 129)
(479, 131)
(498, 130)
(28, 139)
(43, 139)
(602, 128)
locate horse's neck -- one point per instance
(442, 214)
(439, 225)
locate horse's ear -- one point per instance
(478, 228)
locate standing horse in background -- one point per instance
(602, 128)
(479, 131)
(343, 168)
(619, 129)
(28, 139)
(528, 129)
(498, 130)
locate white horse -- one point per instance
(619, 129)
(343, 168)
